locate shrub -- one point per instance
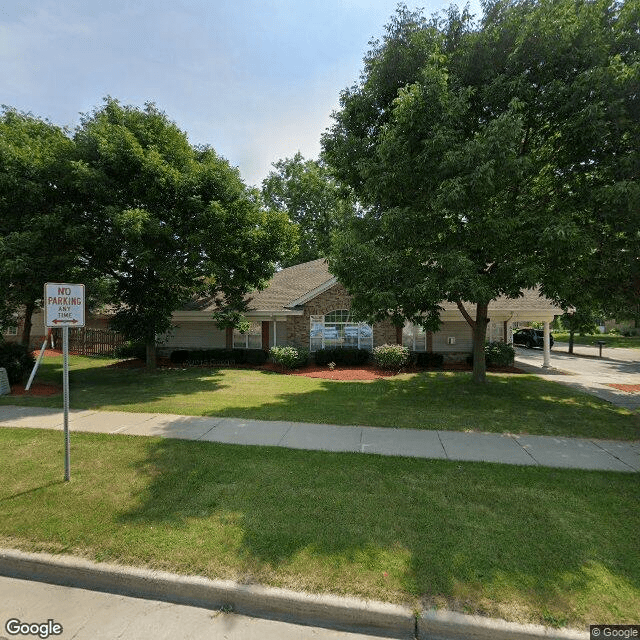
(347, 356)
(289, 357)
(17, 359)
(429, 360)
(499, 354)
(255, 356)
(391, 356)
(132, 350)
(179, 356)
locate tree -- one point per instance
(471, 150)
(311, 198)
(582, 321)
(39, 228)
(172, 222)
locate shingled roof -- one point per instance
(290, 284)
(302, 280)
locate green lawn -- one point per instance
(447, 401)
(528, 544)
(610, 340)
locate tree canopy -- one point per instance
(306, 191)
(169, 221)
(39, 228)
(489, 155)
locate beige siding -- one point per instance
(195, 335)
(461, 331)
(281, 334)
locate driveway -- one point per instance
(614, 377)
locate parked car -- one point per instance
(531, 338)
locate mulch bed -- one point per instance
(359, 372)
(37, 389)
(629, 388)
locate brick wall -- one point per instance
(333, 299)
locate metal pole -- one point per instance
(35, 366)
(65, 393)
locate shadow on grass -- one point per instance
(27, 492)
(446, 401)
(535, 539)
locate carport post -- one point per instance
(547, 346)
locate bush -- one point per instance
(391, 356)
(17, 359)
(132, 350)
(255, 356)
(497, 354)
(289, 357)
(429, 360)
(346, 356)
(179, 356)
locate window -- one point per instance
(336, 329)
(11, 331)
(250, 339)
(414, 337)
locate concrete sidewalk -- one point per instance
(548, 451)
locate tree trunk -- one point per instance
(571, 334)
(479, 337)
(479, 329)
(29, 308)
(151, 354)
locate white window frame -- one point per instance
(414, 337)
(250, 339)
(11, 331)
(329, 331)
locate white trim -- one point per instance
(313, 293)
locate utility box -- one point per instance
(5, 389)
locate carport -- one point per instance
(505, 312)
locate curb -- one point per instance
(348, 614)
(333, 612)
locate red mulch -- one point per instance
(370, 372)
(363, 372)
(48, 353)
(629, 388)
(37, 389)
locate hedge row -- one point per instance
(218, 356)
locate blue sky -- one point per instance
(255, 79)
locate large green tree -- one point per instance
(487, 156)
(306, 191)
(39, 226)
(171, 222)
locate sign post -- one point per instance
(64, 307)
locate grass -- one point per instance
(522, 543)
(445, 401)
(610, 340)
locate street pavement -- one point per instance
(93, 615)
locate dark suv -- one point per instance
(531, 338)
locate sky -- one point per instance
(255, 79)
